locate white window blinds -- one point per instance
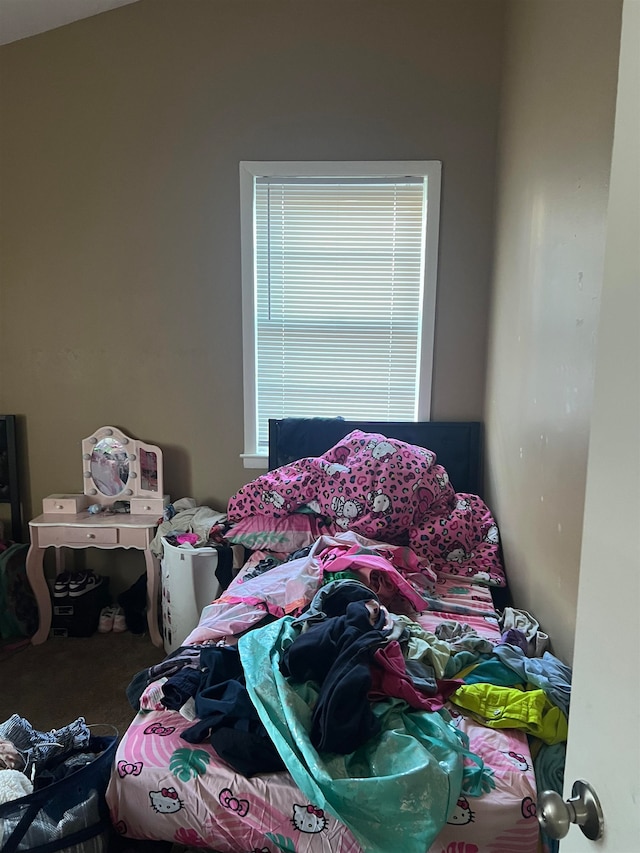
(339, 277)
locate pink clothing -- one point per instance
(189, 538)
(389, 678)
(378, 574)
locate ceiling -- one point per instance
(22, 18)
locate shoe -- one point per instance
(106, 621)
(84, 582)
(76, 581)
(61, 586)
(119, 622)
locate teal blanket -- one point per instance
(396, 791)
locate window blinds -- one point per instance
(339, 271)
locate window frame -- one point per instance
(430, 170)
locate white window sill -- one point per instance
(255, 460)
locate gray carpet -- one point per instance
(69, 677)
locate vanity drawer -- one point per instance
(135, 537)
(77, 536)
(70, 504)
(148, 506)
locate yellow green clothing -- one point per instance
(510, 708)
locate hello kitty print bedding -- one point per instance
(387, 490)
(163, 788)
(393, 520)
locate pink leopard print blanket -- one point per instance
(387, 490)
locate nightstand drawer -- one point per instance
(70, 504)
(148, 506)
(77, 536)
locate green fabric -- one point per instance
(461, 660)
(425, 646)
(509, 708)
(340, 576)
(493, 671)
(396, 791)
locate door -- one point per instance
(604, 725)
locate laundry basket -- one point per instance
(68, 816)
(189, 583)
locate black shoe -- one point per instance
(61, 585)
(84, 582)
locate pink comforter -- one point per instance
(387, 490)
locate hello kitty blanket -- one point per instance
(387, 490)
(165, 788)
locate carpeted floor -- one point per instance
(67, 677)
(62, 679)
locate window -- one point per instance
(339, 264)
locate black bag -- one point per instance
(73, 811)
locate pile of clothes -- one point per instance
(52, 787)
(30, 759)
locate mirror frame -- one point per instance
(133, 486)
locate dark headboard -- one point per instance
(457, 445)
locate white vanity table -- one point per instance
(115, 468)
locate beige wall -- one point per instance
(120, 141)
(120, 138)
(555, 155)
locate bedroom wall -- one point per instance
(120, 137)
(555, 153)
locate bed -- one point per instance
(344, 735)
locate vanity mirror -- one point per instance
(117, 467)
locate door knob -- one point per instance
(556, 815)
